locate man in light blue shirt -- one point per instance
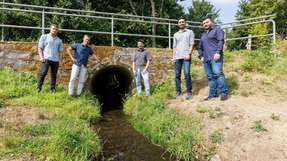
(49, 48)
(183, 41)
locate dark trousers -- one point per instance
(186, 67)
(44, 70)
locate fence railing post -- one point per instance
(249, 42)
(169, 35)
(43, 22)
(2, 30)
(112, 31)
(274, 32)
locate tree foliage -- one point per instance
(257, 8)
(162, 8)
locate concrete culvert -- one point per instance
(111, 84)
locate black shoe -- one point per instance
(208, 98)
(39, 90)
(224, 98)
(53, 90)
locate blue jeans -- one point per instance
(216, 78)
(138, 77)
(186, 66)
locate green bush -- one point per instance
(258, 61)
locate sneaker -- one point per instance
(39, 90)
(177, 94)
(209, 98)
(188, 96)
(53, 90)
(224, 98)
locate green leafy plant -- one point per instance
(258, 126)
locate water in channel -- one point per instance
(123, 143)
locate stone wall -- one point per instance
(24, 57)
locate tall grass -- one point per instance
(66, 136)
(180, 134)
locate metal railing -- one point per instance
(115, 17)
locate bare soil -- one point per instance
(241, 142)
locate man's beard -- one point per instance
(182, 27)
(207, 28)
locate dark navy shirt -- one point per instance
(82, 53)
(211, 42)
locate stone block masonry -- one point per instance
(23, 56)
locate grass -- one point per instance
(180, 134)
(258, 126)
(215, 113)
(202, 109)
(65, 136)
(217, 136)
(275, 117)
(253, 72)
(258, 61)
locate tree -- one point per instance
(151, 8)
(281, 14)
(198, 10)
(256, 8)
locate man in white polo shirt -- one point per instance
(183, 41)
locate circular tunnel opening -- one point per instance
(111, 84)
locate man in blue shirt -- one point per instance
(82, 52)
(49, 48)
(211, 54)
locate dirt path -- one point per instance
(241, 142)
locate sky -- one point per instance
(227, 8)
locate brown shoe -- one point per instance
(224, 98)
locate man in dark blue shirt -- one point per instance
(82, 52)
(211, 54)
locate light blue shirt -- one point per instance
(51, 47)
(182, 43)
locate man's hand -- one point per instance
(74, 60)
(144, 71)
(42, 59)
(216, 56)
(202, 59)
(187, 57)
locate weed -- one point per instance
(258, 126)
(202, 109)
(2, 103)
(217, 136)
(275, 117)
(214, 113)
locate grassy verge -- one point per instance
(180, 134)
(64, 135)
